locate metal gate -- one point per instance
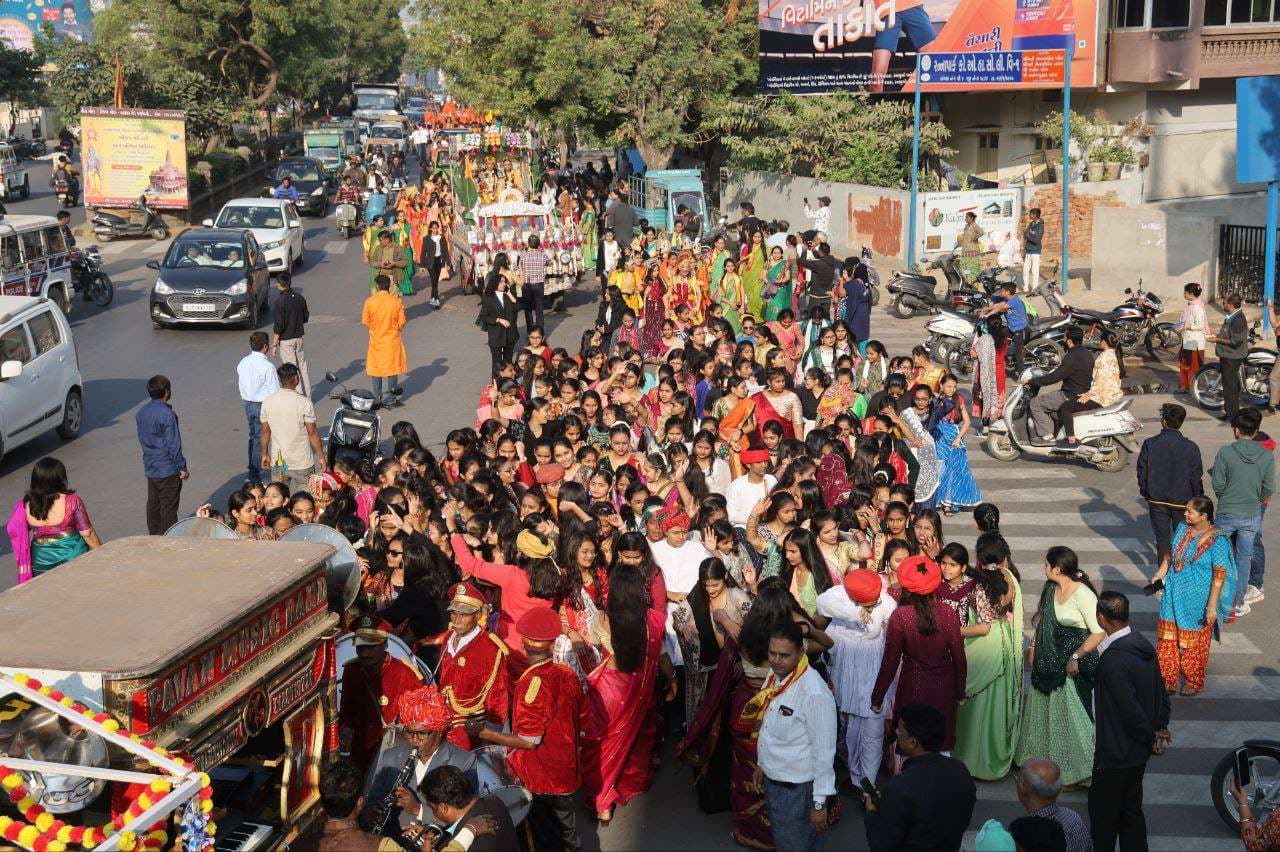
(1241, 258)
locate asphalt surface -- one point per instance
(1045, 503)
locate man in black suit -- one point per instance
(1131, 718)
(452, 799)
(499, 312)
(929, 803)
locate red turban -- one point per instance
(753, 456)
(863, 585)
(919, 575)
(423, 709)
(670, 518)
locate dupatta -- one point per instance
(1055, 643)
(737, 419)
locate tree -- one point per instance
(20, 82)
(627, 71)
(848, 137)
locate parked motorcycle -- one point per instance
(1135, 321)
(1106, 435)
(952, 334)
(108, 226)
(1264, 791)
(873, 275)
(86, 272)
(347, 218)
(27, 149)
(1255, 377)
(355, 430)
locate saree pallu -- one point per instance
(590, 239)
(738, 419)
(707, 745)
(765, 412)
(777, 292)
(620, 728)
(957, 489)
(987, 723)
(49, 552)
(751, 271)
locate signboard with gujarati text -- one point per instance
(128, 153)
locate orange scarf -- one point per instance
(752, 717)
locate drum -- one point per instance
(342, 570)
(495, 777)
(194, 527)
(345, 652)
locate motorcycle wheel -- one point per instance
(1266, 778)
(1046, 355)
(159, 232)
(1001, 447)
(1207, 387)
(1164, 342)
(875, 296)
(101, 290)
(959, 361)
(900, 309)
(1116, 457)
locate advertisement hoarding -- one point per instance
(130, 152)
(811, 47)
(998, 212)
(20, 20)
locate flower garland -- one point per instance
(44, 833)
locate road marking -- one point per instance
(1041, 543)
(1241, 687)
(1077, 496)
(1008, 471)
(1158, 788)
(1064, 519)
(335, 247)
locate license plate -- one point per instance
(199, 307)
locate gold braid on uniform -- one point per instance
(473, 708)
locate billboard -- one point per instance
(811, 47)
(942, 215)
(130, 152)
(20, 20)
(1257, 129)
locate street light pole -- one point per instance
(915, 171)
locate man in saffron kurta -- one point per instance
(473, 667)
(371, 686)
(386, 360)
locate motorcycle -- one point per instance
(355, 430)
(347, 218)
(1255, 377)
(1264, 792)
(86, 271)
(873, 275)
(66, 187)
(1106, 435)
(1134, 321)
(953, 331)
(916, 292)
(27, 149)
(108, 226)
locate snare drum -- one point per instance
(495, 777)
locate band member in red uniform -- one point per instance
(473, 666)
(545, 721)
(372, 684)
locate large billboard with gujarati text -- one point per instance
(810, 47)
(127, 153)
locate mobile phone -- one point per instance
(1152, 588)
(870, 789)
(1243, 769)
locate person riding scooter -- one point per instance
(354, 171)
(349, 192)
(1016, 319)
(1076, 375)
(64, 171)
(397, 170)
(286, 190)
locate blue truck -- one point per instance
(660, 195)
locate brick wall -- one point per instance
(1049, 199)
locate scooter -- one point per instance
(916, 292)
(1255, 377)
(873, 275)
(1106, 435)
(355, 430)
(347, 218)
(1263, 791)
(108, 226)
(952, 334)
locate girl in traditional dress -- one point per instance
(726, 291)
(821, 355)
(751, 268)
(735, 412)
(957, 489)
(49, 526)
(712, 613)
(778, 286)
(588, 225)
(989, 372)
(775, 403)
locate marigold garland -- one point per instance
(45, 833)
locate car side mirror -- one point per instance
(295, 223)
(208, 223)
(330, 377)
(10, 370)
(153, 264)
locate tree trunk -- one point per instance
(655, 156)
(213, 142)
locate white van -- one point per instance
(14, 179)
(35, 259)
(40, 383)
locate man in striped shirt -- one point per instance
(533, 265)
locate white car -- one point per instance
(40, 383)
(275, 224)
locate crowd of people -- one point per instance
(728, 529)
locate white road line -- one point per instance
(335, 247)
(1063, 519)
(1040, 543)
(1241, 687)
(1074, 497)
(1007, 471)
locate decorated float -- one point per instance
(505, 227)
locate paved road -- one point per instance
(1045, 504)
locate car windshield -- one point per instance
(250, 217)
(326, 153)
(188, 253)
(388, 131)
(300, 171)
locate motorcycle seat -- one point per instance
(1105, 316)
(1044, 323)
(1122, 405)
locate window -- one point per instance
(1224, 13)
(55, 241)
(13, 344)
(45, 332)
(989, 141)
(1170, 14)
(32, 247)
(9, 258)
(1154, 14)
(1130, 13)
(1044, 143)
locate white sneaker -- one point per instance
(1241, 610)
(435, 303)
(1253, 595)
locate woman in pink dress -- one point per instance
(49, 526)
(621, 720)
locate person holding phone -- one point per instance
(1256, 838)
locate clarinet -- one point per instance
(387, 808)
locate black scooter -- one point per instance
(108, 226)
(356, 429)
(916, 292)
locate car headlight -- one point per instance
(163, 289)
(273, 245)
(319, 190)
(239, 288)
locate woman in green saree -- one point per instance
(751, 268)
(588, 224)
(987, 723)
(401, 235)
(777, 285)
(1057, 716)
(726, 291)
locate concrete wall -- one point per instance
(860, 215)
(1193, 143)
(1166, 250)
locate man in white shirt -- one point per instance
(257, 378)
(289, 430)
(747, 490)
(797, 744)
(678, 558)
(421, 139)
(610, 254)
(821, 217)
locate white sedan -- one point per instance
(275, 224)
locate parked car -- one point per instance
(15, 182)
(210, 275)
(307, 174)
(34, 260)
(275, 225)
(40, 383)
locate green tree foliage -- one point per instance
(19, 78)
(849, 137)
(626, 71)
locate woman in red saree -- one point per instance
(777, 403)
(621, 718)
(736, 413)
